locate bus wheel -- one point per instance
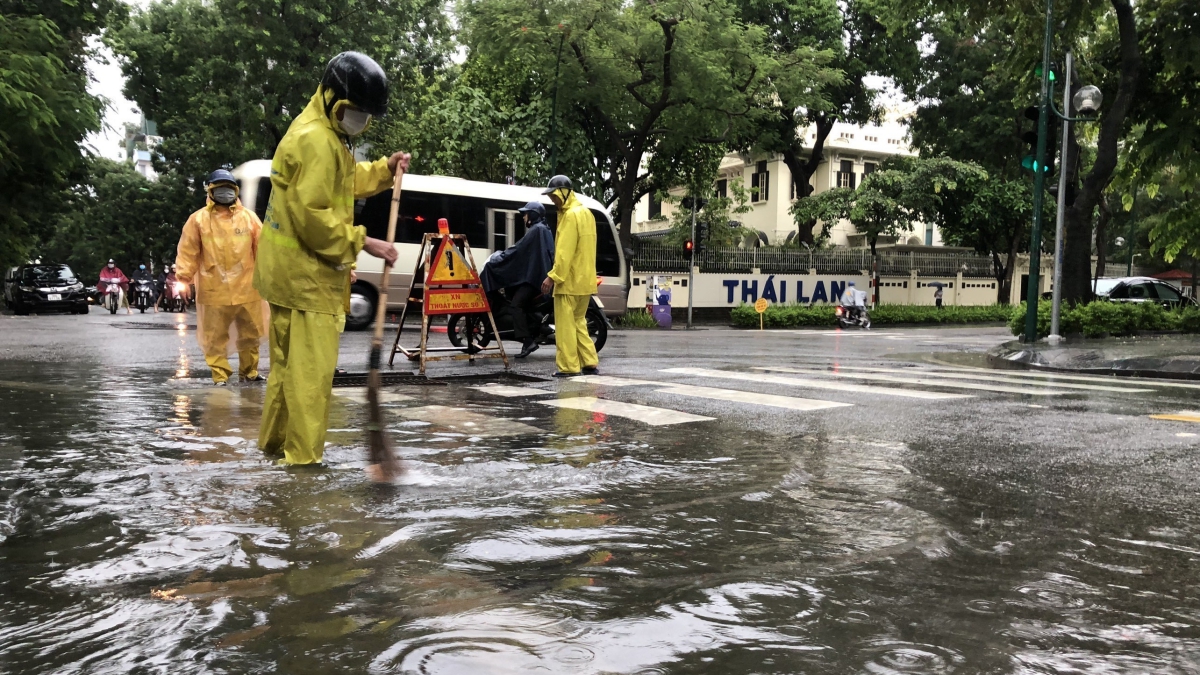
(362, 307)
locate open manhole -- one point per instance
(360, 379)
(153, 326)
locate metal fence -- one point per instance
(653, 256)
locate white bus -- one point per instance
(485, 212)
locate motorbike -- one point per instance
(175, 296)
(142, 294)
(852, 316)
(541, 316)
(111, 297)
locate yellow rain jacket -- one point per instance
(309, 241)
(574, 271)
(217, 251)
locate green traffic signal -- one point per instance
(1038, 71)
(1029, 162)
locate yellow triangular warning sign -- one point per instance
(448, 267)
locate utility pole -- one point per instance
(1129, 239)
(692, 263)
(1062, 204)
(554, 109)
(1039, 183)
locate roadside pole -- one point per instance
(691, 264)
(1039, 183)
(1062, 205)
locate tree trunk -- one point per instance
(1102, 237)
(1077, 251)
(802, 170)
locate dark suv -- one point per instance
(39, 288)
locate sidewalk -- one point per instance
(1172, 356)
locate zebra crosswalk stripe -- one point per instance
(814, 384)
(642, 413)
(922, 381)
(992, 377)
(753, 397)
(1035, 376)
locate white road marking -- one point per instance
(467, 422)
(923, 382)
(814, 384)
(991, 377)
(642, 413)
(359, 395)
(1138, 381)
(610, 381)
(737, 396)
(509, 392)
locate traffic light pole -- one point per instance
(1060, 215)
(1039, 184)
(692, 264)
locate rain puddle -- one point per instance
(141, 531)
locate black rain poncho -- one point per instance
(526, 262)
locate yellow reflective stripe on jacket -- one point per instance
(273, 235)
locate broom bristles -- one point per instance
(379, 450)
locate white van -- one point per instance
(485, 212)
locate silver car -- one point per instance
(1141, 289)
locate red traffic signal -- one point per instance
(689, 246)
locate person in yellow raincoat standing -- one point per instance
(216, 252)
(573, 280)
(308, 247)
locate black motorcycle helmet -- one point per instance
(356, 77)
(559, 181)
(536, 212)
(220, 176)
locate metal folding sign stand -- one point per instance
(445, 282)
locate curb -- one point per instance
(1016, 356)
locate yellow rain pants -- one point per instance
(575, 349)
(247, 321)
(304, 353)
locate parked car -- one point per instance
(1141, 289)
(40, 288)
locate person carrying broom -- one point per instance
(308, 246)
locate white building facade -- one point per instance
(851, 153)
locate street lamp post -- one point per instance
(1086, 100)
(1039, 183)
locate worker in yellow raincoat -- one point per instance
(216, 252)
(308, 248)
(573, 280)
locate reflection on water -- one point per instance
(141, 531)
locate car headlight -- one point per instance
(27, 289)
(75, 287)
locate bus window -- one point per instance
(608, 257)
(419, 214)
(262, 197)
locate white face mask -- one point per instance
(354, 121)
(224, 195)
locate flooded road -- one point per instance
(141, 530)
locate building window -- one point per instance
(655, 206)
(760, 182)
(929, 234)
(845, 177)
(723, 188)
(869, 168)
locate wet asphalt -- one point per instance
(996, 531)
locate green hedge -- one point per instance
(793, 316)
(636, 318)
(1117, 319)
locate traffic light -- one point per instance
(1029, 161)
(689, 246)
(699, 202)
(701, 235)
